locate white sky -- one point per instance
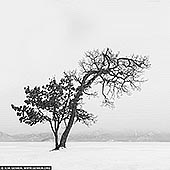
(42, 38)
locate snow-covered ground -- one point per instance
(89, 156)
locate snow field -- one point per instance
(88, 155)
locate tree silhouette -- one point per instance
(62, 102)
(115, 74)
(51, 103)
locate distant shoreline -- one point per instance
(96, 136)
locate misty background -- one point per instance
(43, 38)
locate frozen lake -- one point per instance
(89, 155)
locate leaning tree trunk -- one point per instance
(67, 130)
(71, 120)
(75, 102)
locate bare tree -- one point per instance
(115, 74)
